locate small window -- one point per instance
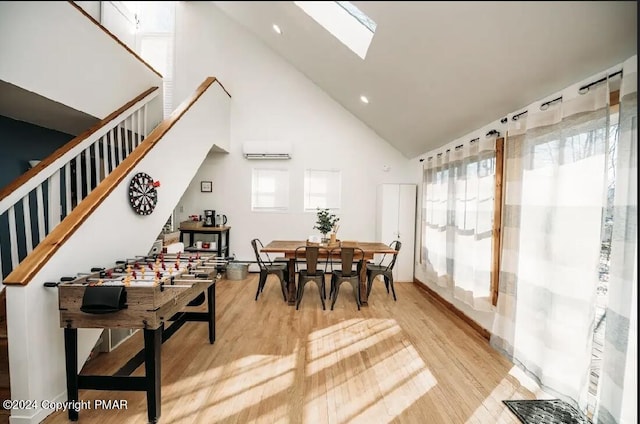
(270, 190)
(322, 189)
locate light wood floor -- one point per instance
(410, 361)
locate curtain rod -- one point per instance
(582, 90)
(585, 88)
(545, 105)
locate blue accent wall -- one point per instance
(21, 142)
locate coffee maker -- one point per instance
(209, 218)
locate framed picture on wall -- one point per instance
(206, 186)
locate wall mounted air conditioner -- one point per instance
(266, 150)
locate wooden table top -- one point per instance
(197, 226)
(289, 246)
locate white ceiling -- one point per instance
(437, 70)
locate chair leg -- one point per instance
(356, 292)
(321, 291)
(333, 286)
(261, 281)
(301, 284)
(283, 286)
(336, 288)
(393, 290)
(370, 279)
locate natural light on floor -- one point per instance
(359, 370)
(224, 392)
(365, 361)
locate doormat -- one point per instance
(552, 411)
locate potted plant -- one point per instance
(326, 222)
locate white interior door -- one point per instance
(403, 270)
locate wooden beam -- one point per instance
(448, 305)
(497, 221)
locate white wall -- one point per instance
(272, 101)
(51, 44)
(113, 232)
(120, 21)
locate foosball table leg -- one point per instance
(152, 348)
(211, 304)
(71, 359)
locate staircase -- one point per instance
(77, 196)
(99, 230)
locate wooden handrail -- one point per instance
(32, 172)
(41, 254)
(81, 10)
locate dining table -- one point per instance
(288, 248)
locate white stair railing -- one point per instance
(33, 209)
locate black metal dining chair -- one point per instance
(384, 268)
(267, 267)
(311, 269)
(348, 257)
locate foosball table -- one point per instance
(142, 293)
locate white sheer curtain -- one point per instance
(435, 187)
(459, 188)
(618, 379)
(555, 175)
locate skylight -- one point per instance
(344, 21)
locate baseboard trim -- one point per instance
(448, 305)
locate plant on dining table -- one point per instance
(326, 222)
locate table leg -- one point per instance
(71, 359)
(152, 348)
(227, 239)
(291, 285)
(211, 304)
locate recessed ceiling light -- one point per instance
(364, 99)
(277, 29)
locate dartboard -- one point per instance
(142, 194)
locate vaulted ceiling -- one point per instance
(437, 70)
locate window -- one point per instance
(322, 189)
(157, 50)
(269, 190)
(155, 41)
(344, 21)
